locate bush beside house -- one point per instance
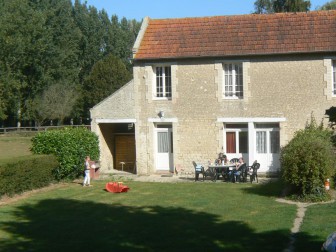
(307, 161)
(70, 146)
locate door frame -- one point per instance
(271, 160)
(170, 159)
(252, 121)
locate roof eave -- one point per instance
(232, 55)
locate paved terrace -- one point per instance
(168, 178)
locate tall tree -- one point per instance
(107, 76)
(45, 42)
(329, 6)
(87, 20)
(263, 6)
(39, 47)
(56, 103)
(275, 6)
(19, 39)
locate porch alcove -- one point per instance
(119, 139)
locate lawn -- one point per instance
(160, 217)
(11, 147)
(318, 223)
(150, 217)
(155, 216)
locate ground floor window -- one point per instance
(236, 138)
(267, 138)
(253, 139)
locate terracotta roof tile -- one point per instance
(255, 34)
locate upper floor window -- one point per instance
(163, 83)
(233, 80)
(334, 77)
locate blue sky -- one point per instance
(138, 9)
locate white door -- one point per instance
(164, 149)
(268, 149)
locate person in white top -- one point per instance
(87, 171)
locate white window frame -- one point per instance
(237, 132)
(268, 131)
(164, 84)
(235, 84)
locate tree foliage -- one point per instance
(44, 43)
(331, 5)
(275, 6)
(107, 76)
(56, 102)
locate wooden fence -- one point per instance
(9, 130)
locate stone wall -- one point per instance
(290, 87)
(114, 109)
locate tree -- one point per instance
(39, 46)
(44, 43)
(56, 102)
(107, 76)
(2, 102)
(263, 6)
(329, 6)
(275, 6)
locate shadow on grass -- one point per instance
(272, 188)
(69, 225)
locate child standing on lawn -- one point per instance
(87, 171)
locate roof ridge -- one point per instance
(316, 12)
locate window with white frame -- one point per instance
(334, 77)
(267, 138)
(233, 80)
(236, 138)
(163, 83)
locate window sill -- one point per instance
(161, 98)
(233, 98)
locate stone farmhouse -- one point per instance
(239, 85)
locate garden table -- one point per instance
(217, 170)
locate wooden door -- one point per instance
(125, 153)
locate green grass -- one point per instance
(14, 147)
(319, 222)
(155, 216)
(150, 217)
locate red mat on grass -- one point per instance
(116, 187)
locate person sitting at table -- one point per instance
(235, 173)
(222, 160)
(226, 160)
(219, 161)
(221, 157)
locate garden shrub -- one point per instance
(31, 173)
(70, 146)
(308, 160)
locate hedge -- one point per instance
(32, 173)
(70, 146)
